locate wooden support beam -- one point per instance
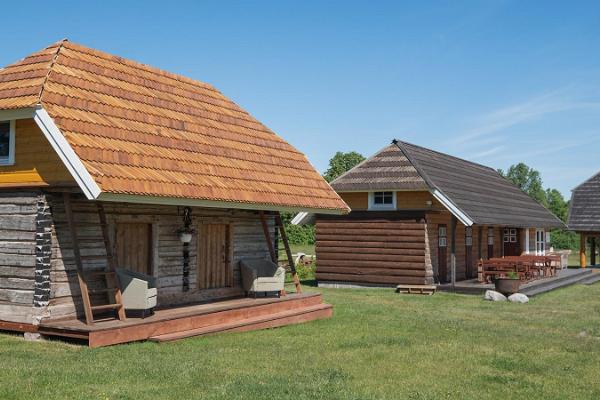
(267, 233)
(592, 250)
(479, 242)
(288, 252)
(582, 243)
(453, 251)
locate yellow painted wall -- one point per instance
(356, 200)
(405, 200)
(35, 160)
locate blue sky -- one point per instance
(496, 82)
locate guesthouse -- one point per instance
(115, 173)
(421, 217)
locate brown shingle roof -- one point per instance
(142, 131)
(584, 212)
(387, 169)
(479, 192)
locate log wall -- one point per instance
(373, 248)
(37, 267)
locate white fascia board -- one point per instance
(302, 218)
(20, 113)
(67, 155)
(177, 201)
(457, 212)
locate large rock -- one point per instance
(492, 295)
(518, 298)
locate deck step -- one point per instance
(268, 321)
(556, 284)
(591, 279)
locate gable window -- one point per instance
(7, 142)
(382, 200)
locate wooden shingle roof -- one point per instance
(584, 212)
(476, 192)
(142, 131)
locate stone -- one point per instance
(518, 298)
(492, 295)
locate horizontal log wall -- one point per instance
(18, 211)
(360, 248)
(248, 242)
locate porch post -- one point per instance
(453, 251)
(582, 240)
(480, 242)
(593, 250)
(527, 240)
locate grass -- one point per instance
(378, 345)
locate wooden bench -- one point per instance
(527, 267)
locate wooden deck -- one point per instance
(240, 314)
(563, 278)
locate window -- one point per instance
(510, 235)
(7, 142)
(442, 236)
(468, 236)
(540, 242)
(490, 236)
(382, 200)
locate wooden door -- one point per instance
(443, 253)
(510, 238)
(215, 248)
(134, 247)
(490, 241)
(469, 252)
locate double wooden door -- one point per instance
(215, 254)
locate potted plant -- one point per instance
(185, 234)
(508, 284)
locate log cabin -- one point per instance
(421, 217)
(104, 162)
(584, 218)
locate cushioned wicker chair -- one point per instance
(138, 291)
(262, 276)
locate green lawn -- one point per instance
(378, 345)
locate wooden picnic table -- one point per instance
(527, 267)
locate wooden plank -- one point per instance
(288, 252)
(360, 232)
(353, 224)
(372, 238)
(367, 264)
(374, 271)
(368, 243)
(369, 257)
(391, 280)
(321, 249)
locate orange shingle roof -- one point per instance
(142, 131)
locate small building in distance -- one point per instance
(584, 217)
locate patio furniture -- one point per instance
(527, 267)
(262, 276)
(138, 291)
(564, 257)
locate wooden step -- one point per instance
(105, 290)
(299, 315)
(105, 307)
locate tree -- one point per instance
(528, 179)
(342, 162)
(557, 204)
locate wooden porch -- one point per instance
(168, 324)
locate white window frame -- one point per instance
(373, 206)
(11, 145)
(540, 242)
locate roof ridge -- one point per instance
(60, 43)
(448, 155)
